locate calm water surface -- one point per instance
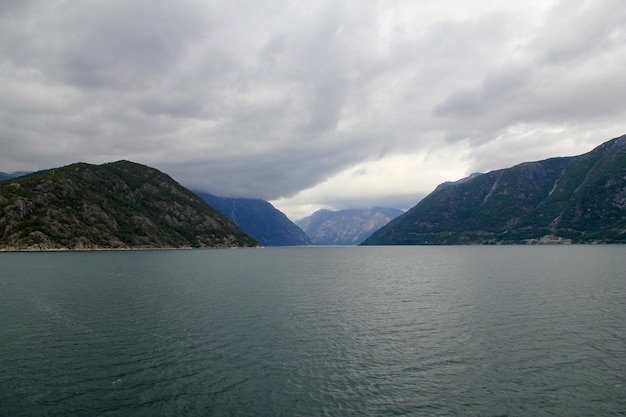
(326, 331)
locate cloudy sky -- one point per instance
(309, 104)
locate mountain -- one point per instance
(461, 181)
(580, 199)
(259, 219)
(345, 227)
(6, 176)
(118, 205)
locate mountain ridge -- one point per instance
(119, 205)
(578, 199)
(260, 219)
(345, 227)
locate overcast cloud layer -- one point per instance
(309, 104)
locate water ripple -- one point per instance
(471, 331)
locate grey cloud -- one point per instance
(266, 173)
(13, 6)
(264, 99)
(500, 90)
(102, 44)
(579, 84)
(329, 96)
(124, 44)
(579, 30)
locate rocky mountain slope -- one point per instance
(112, 206)
(579, 199)
(259, 219)
(345, 227)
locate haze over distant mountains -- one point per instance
(259, 219)
(580, 199)
(4, 176)
(345, 227)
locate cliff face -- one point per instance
(112, 206)
(345, 227)
(579, 199)
(259, 219)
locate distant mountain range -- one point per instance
(580, 199)
(5, 176)
(259, 219)
(120, 205)
(345, 227)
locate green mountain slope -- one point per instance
(115, 205)
(259, 219)
(579, 199)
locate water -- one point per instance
(365, 331)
